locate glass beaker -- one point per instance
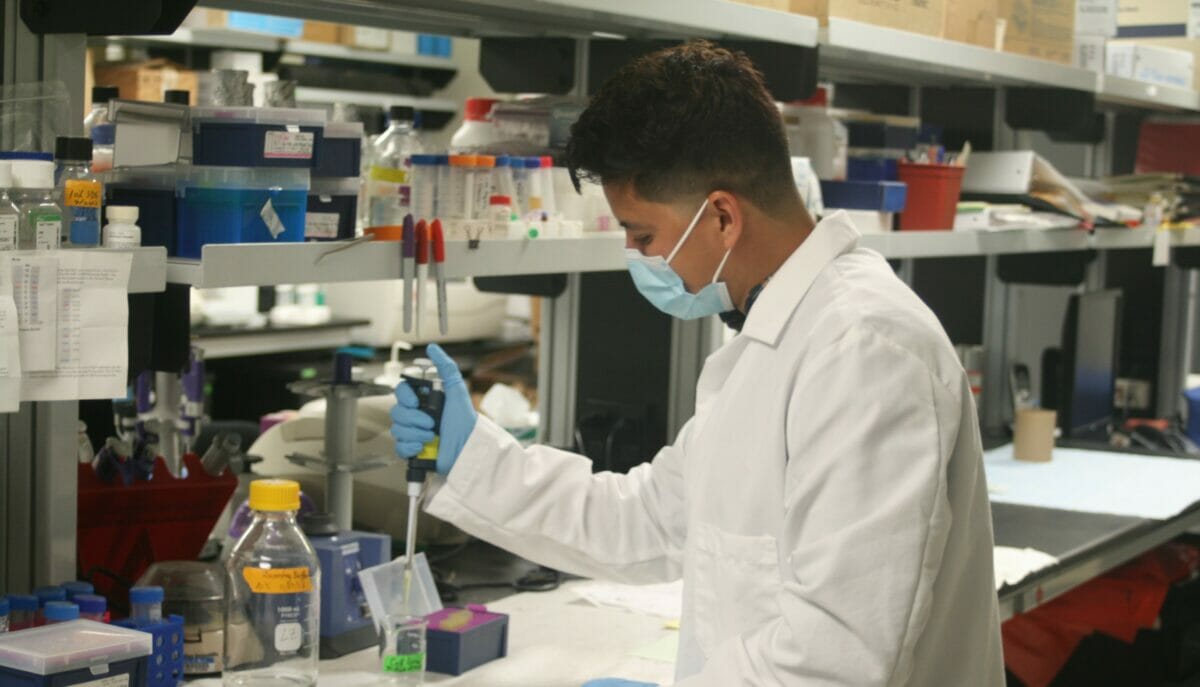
(402, 650)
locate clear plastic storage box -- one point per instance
(240, 205)
(79, 652)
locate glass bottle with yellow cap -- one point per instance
(273, 595)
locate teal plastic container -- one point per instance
(240, 205)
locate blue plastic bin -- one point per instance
(79, 652)
(152, 191)
(164, 668)
(257, 137)
(878, 196)
(871, 169)
(228, 204)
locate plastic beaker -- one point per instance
(402, 650)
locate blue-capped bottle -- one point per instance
(80, 191)
(273, 595)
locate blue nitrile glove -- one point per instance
(412, 428)
(617, 682)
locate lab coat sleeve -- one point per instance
(869, 432)
(546, 505)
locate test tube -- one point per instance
(60, 612)
(146, 604)
(504, 177)
(46, 595)
(23, 610)
(91, 606)
(440, 205)
(461, 169)
(76, 588)
(485, 165)
(546, 173)
(424, 186)
(4, 609)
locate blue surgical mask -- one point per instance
(663, 287)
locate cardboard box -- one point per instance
(1191, 45)
(972, 21)
(1096, 18)
(1158, 18)
(366, 37)
(1089, 52)
(919, 16)
(1039, 28)
(1151, 63)
(147, 80)
(204, 18)
(322, 32)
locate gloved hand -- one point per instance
(617, 682)
(412, 428)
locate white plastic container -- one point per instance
(75, 652)
(814, 133)
(477, 132)
(122, 230)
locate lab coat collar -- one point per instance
(832, 237)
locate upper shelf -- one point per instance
(856, 47)
(572, 18)
(267, 264)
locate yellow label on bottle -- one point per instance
(389, 174)
(278, 580)
(81, 193)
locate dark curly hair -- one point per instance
(685, 121)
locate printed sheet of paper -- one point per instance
(91, 348)
(35, 291)
(10, 346)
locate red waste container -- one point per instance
(932, 195)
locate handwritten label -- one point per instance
(47, 235)
(8, 232)
(321, 225)
(288, 145)
(407, 663)
(278, 580)
(81, 193)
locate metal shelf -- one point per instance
(233, 39)
(1115, 89)
(331, 96)
(267, 264)
(571, 18)
(853, 47)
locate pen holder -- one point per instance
(933, 192)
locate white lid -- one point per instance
(6, 178)
(260, 115)
(125, 214)
(33, 174)
(73, 645)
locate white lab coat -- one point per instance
(825, 506)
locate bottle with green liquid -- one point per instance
(41, 218)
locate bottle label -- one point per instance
(85, 225)
(277, 580)
(47, 234)
(122, 236)
(288, 636)
(82, 193)
(389, 174)
(407, 663)
(288, 145)
(8, 232)
(321, 225)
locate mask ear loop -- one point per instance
(688, 232)
(717, 274)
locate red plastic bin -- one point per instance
(932, 195)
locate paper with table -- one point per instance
(1125, 484)
(72, 321)
(10, 350)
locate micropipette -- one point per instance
(423, 379)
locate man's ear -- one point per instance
(730, 213)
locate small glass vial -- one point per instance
(402, 650)
(4, 610)
(60, 612)
(485, 165)
(145, 604)
(23, 611)
(502, 177)
(499, 213)
(440, 204)
(461, 184)
(546, 179)
(91, 606)
(122, 230)
(424, 187)
(41, 218)
(10, 216)
(77, 587)
(272, 622)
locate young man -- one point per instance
(826, 505)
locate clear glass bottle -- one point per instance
(389, 196)
(273, 583)
(10, 216)
(41, 218)
(79, 191)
